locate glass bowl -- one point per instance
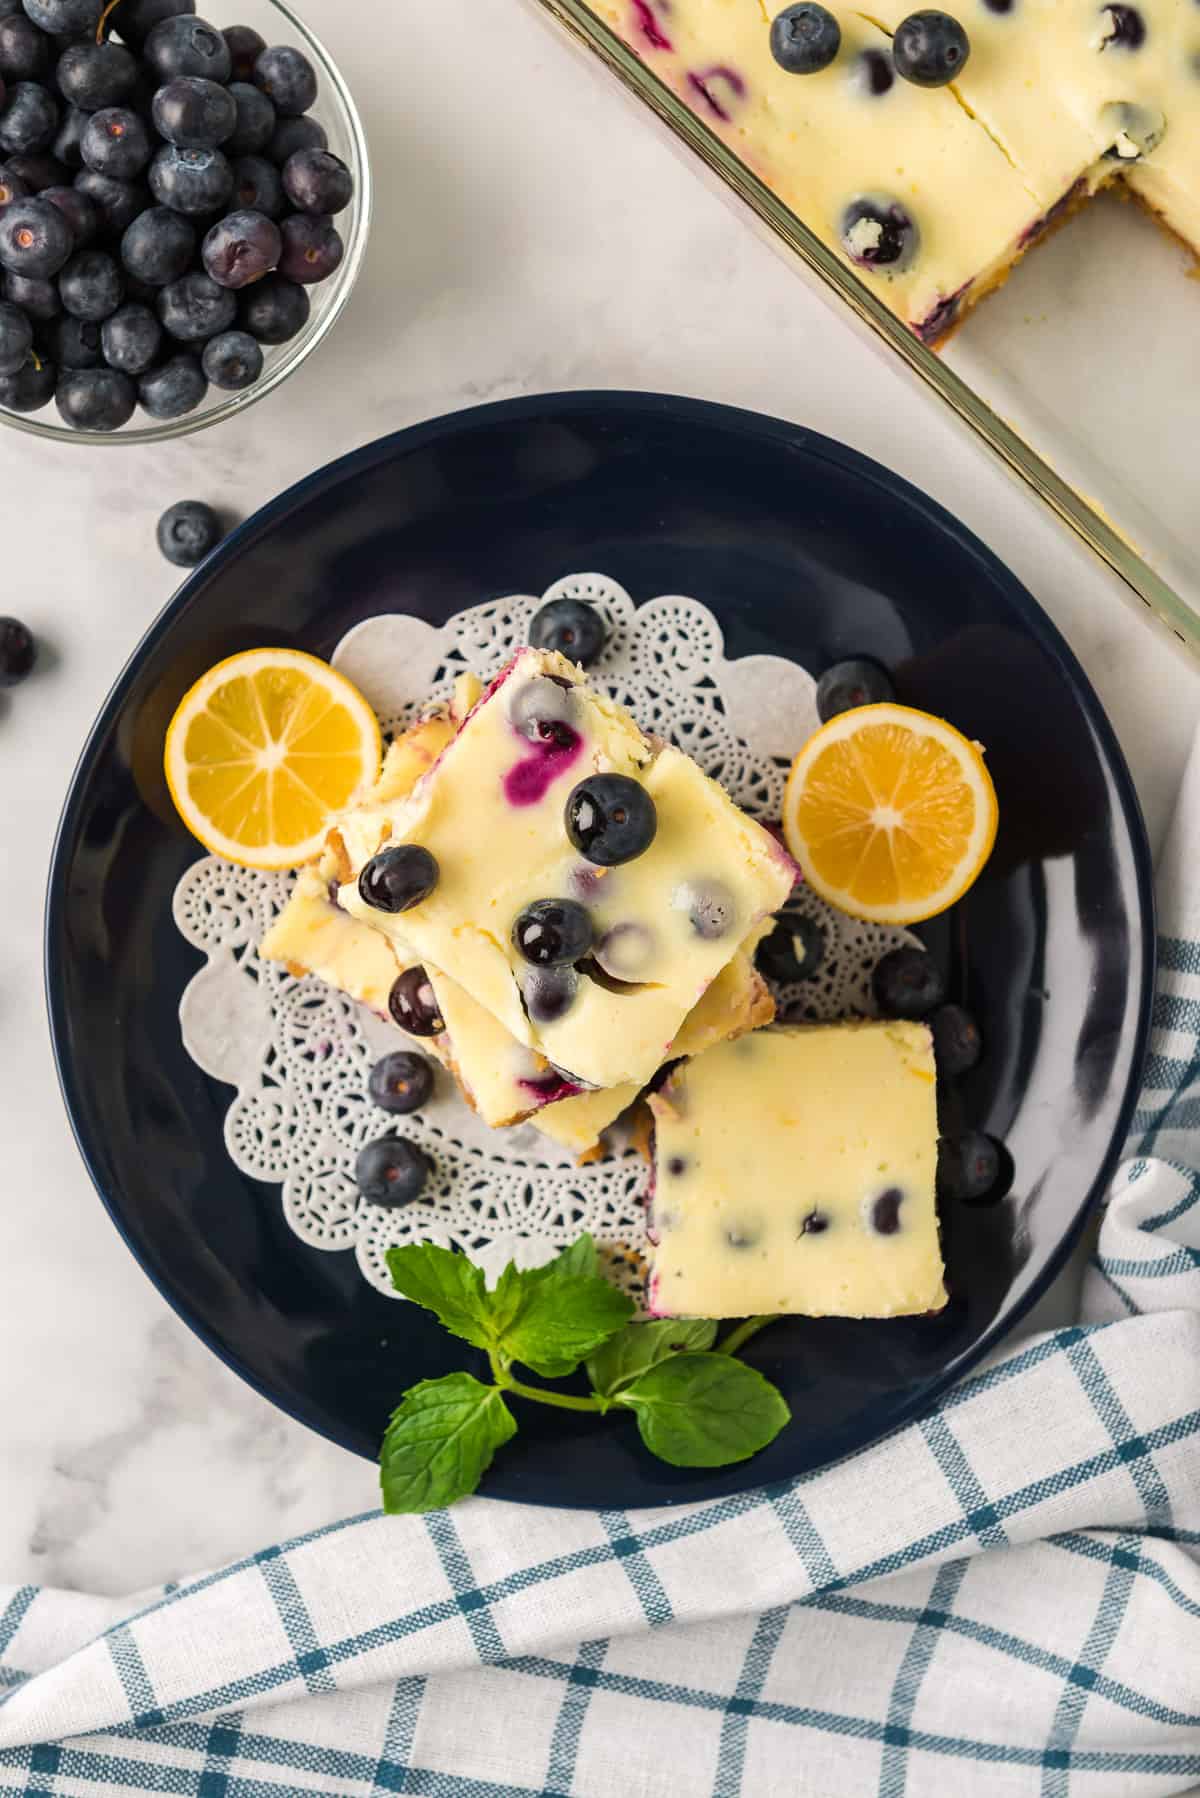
(336, 111)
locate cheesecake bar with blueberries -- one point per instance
(794, 1171)
(931, 149)
(581, 882)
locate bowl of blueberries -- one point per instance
(184, 207)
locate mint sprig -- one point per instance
(695, 1405)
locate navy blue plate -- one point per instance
(802, 548)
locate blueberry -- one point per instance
(38, 298)
(610, 819)
(907, 983)
(795, 949)
(257, 186)
(569, 626)
(38, 169)
(75, 343)
(68, 139)
(291, 135)
(317, 181)
(254, 122)
(232, 360)
(805, 39)
(95, 399)
(16, 337)
(91, 76)
(549, 993)
(885, 1212)
(541, 709)
(186, 45)
(286, 77)
(872, 72)
(814, 1222)
(31, 387)
(274, 310)
(187, 531)
(241, 248)
(401, 1082)
(119, 202)
(553, 933)
(79, 210)
(877, 232)
(626, 952)
(741, 1235)
(191, 180)
(18, 651)
(28, 119)
(116, 142)
(413, 1004)
(968, 1167)
(62, 16)
(391, 1172)
(312, 248)
(176, 387)
(137, 18)
(24, 51)
(35, 238)
(710, 906)
(847, 685)
(930, 49)
(131, 338)
(398, 878)
(158, 246)
(11, 186)
(245, 48)
(1001, 6)
(195, 308)
(90, 285)
(1123, 28)
(194, 114)
(957, 1044)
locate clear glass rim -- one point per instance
(1088, 523)
(295, 352)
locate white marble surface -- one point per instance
(532, 233)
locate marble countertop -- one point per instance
(532, 233)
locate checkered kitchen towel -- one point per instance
(1002, 1599)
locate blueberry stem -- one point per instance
(749, 1327)
(102, 21)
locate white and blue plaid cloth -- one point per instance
(1003, 1599)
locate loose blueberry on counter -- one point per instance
(186, 45)
(90, 286)
(968, 1167)
(413, 1004)
(885, 1212)
(245, 48)
(274, 310)
(957, 1044)
(254, 121)
(191, 181)
(16, 337)
(29, 118)
(93, 75)
(610, 819)
(317, 181)
(95, 399)
(872, 72)
(391, 1172)
(232, 360)
(312, 248)
(930, 48)
(570, 626)
(130, 339)
(80, 212)
(814, 1223)
(173, 389)
(187, 531)
(795, 949)
(710, 907)
(241, 248)
(847, 685)
(115, 142)
(553, 933)
(158, 246)
(35, 239)
(1123, 28)
(398, 878)
(548, 993)
(194, 114)
(31, 387)
(18, 651)
(907, 984)
(401, 1082)
(291, 135)
(195, 308)
(877, 232)
(24, 51)
(75, 343)
(119, 202)
(286, 77)
(805, 39)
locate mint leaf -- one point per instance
(578, 1258)
(440, 1441)
(705, 1410)
(563, 1318)
(451, 1287)
(639, 1347)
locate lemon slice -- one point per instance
(890, 813)
(264, 750)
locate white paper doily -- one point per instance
(299, 1054)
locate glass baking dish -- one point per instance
(1072, 373)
